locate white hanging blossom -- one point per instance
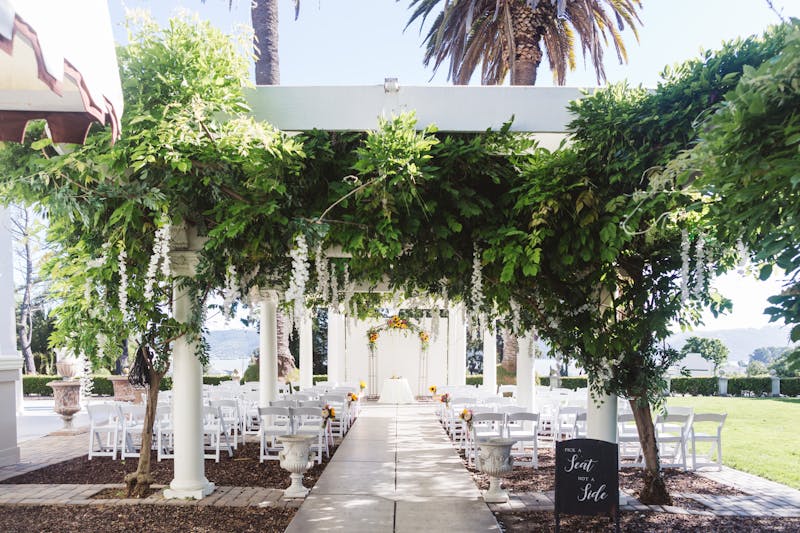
(231, 291)
(334, 301)
(700, 266)
(123, 282)
(87, 383)
(435, 323)
(323, 273)
(744, 255)
(476, 291)
(296, 293)
(348, 287)
(515, 320)
(684, 266)
(160, 256)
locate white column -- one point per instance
(490, 359)
(10, 362)
(336, 346)
(268, 349)
(601, 418)
(306, 332)
(187, 386)
(526, 385)
(456, 346)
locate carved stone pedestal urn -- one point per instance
(494, 459)
(67, 396)
(295, 457)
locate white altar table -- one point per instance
(396, 390)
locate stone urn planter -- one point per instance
(124, 391)
(296, 458)
(67, 365)
(67, 396)
(494, 459)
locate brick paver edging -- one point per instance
(75, 494)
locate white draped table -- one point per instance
(396, 390)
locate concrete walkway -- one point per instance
(395, 471)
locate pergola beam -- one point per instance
(539, 110)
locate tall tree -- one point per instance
(514, 35)
(712, 350)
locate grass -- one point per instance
(760, 436)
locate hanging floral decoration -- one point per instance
(160, 256)
(476, 300)
(296, 293)
(432, 389)
(684, 266)
(700, 266)
(323, 274)
(123, 282)
(466, 417)
(445, 398)
(395, 323)
(328, 413)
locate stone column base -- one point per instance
(187, 493)
(9, 456)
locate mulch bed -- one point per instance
(637, 522)
(241, 470)
(542, 479)
(161, 518)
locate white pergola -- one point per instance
(541, 112)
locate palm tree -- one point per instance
(514, 35)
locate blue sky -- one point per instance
(360, 42)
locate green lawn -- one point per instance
(760, 435)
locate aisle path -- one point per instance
(395, 471)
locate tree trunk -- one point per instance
(25, 327)
(527, 30)
(139, 482)
(510, 351)
(654, 491)
(285, 359)
(264, 17)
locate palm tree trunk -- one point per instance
(285, 359)
(139, 482)
(264, 17)
(654, 491)
(510, 351)
(527, 34)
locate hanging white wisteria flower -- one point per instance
(348, 288)
(515, 320)
(334, 300)
(684, 266)
(123, 282)
(160, 256)
(87, 383)
(700, 266)
(323, 273)
(297, 283)
(231, 291)
(744, 255)
(435, 323)
(476, 290)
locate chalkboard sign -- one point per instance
(587, 478)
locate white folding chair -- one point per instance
(485, 426)
(628, 439)
(275, 421)
(165, 432)
(566, 422)
(308, 421)
(672, 435)
(523, 427)
(132, 416)
(231, 419)
(715, 438)
(104, 419)
(213, 434)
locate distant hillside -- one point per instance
(232, 343)
(741, 342)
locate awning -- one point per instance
(58, 63)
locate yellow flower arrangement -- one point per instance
(328, 412)
(397, 323)
(362, 385)
(466, 416)
(352, 397)
(424, 337)
(445, 398)
(432, 388)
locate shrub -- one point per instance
(475, 379)
(695, 386)
(758, 386)
(790, 386)
(316, 378)
(251, 374)
(37, 385)
(215, 380)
